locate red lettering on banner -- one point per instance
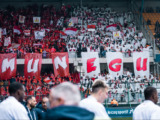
(117, 67)
(90, 63)
(138, 64)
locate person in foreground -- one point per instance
(41, 108)
(64, 99)
(30, 107)
(94, 102)
(11, 108)
(148, 109)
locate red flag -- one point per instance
(91, 26)
(60, 64)
(8, 66)
(32, 65)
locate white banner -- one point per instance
(115, 63)
(21, 19)
(36, 19)
(7, 41)
(90, 62)
(141, 63)
(116, 34)
(39, 34)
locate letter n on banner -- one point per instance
(115, 63)
(141, 64)
(60, 64)
(32, 65)
(90, 63)
(8, 66)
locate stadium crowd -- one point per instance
(54, 22)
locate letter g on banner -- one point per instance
(117, 67)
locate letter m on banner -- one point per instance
(60, 64)
(32, 65)
(141, 64)
(90, 63)
(8, 66)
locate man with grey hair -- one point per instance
(64, 100)
(94, 102)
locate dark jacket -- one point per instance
(68, 113)
(40, 111)
(32, 114)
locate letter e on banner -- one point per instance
(8, 66)
(90, 63)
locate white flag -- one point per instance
(39, 34)
(21, 19)
(90, 62)
(36, 19)
(7, 41)
(116, 34)
(141, 63)
(115, 63)
(4, 31)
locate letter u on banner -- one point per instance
(115, 63)
(90, 62)
(32, 65)
(60, 64)
(8, 66)
(141, 64)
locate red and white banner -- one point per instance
(8, 66)
(36, 19)
(32, 65)
(115, 63)
(17, 30)
(48, 80)
(21, 19)
(7, 41)
(70, 31)
(141, 64)
(112, 27)
(60, 64)
(91, 63)
(91, 27)
(27, 32)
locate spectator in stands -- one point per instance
(147, 109)
(64, 99)
(114, 103)
(94, 102)
(11, 108)
(30, 105)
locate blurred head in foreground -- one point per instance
(64, 94)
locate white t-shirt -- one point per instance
(12, 109)
(146, 111)
(94, 106)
